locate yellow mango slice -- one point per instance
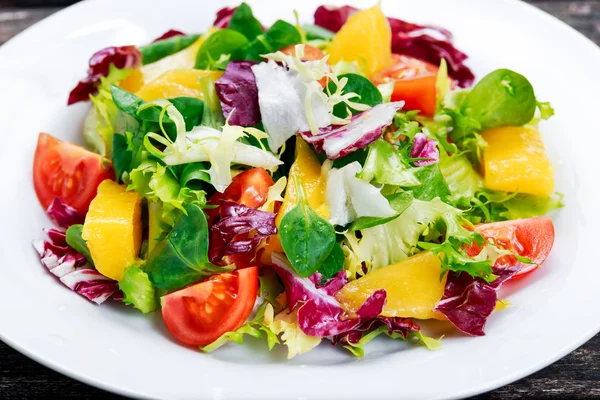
(306, 167)
(176, 83)
(184, 59)
(113, 229)
(515, 160)
(365, 38)
(413, 288)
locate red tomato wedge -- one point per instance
(199, 314)
(414, 83)
(532, 238)
(68, 171)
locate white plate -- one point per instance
(118, 349)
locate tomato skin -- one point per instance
(68, 171)
(531, 237)
(311, 53)
(414, 83)
(199, 314)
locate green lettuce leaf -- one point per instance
(138, 290)
(76, 241)
(297, 342)
(257, 327)
(358, 349)
(384, 165)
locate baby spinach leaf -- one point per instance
(220, 48)
(194, 174)
(432, 184)
(333, 263)
(182, 257)
(315, 32)
(281, 34)
(75, 240)
(163, 48)
(368, 92)
(501, 98)
(306, 238)
(244, 22)
(121, 156)
(398, 201)
(126, 101)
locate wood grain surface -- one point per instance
(576, 376)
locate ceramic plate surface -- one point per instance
(121, 350)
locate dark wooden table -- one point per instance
(575, 376)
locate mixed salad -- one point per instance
(340, 181)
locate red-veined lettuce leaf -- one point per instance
(99, 66)
(424, 148)
(63, 215)
(168, 34)
(238, 94)
(364, 129)
(238, 230)
(223, 17)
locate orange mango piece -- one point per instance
(176, 83)
(365, 38)
(413, 288)
(515, 160)
(113, 229)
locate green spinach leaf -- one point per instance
(368, 92)
(220, 48)
(281, 34)
(75, 240)
(501, 98)
(182, 257)
(432, 184)
(398, 201)
(244, 22)
(121, 156)
(194, 174)
(333, 263)
(315, 32)
(163, 48)
(306, 238)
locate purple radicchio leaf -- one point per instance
(364, 129)
(239, 230)
(63, 215)
(223, 17)
(238, 94)
(424, 148)
(72, 269)
(467, 302)
(332, 285)
(319, 313)
(425, 42)
(99, 66)
(403, 326)
(168, 34)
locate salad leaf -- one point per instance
(501, 98)
(396, 240)
(122, 157)
(527, 205)
(138, 290)
(468, 302)
(258, 327)
(363, 87)
(333, 264)
(281, 34)
(219, 48)
(223, 17)
(238, 94)
(74, 239)
(297, 342)
(426, 149)
(182, 257)
(307, 239)
(386, 166)
(546, 110)
(364, 129)
(349, 197)
(433, 183)
(315, 32)
(166, 46)
(243, 21)
(194, 174)
(239, 230)
(461, 177)
(169, 34)
(123, 57)
(398, 201)
(62, 214)
(71, 268)
(213, 115)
